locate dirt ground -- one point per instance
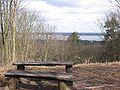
(97, 76)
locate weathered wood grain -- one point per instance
(62, 78)
(50, 63)
(67, 77)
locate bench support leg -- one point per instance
(12, 84)
(63, 86)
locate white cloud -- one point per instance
(71, 15)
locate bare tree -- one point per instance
(8, 10)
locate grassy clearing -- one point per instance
(85, 75)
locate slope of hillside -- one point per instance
(97, 75)
(88, 76)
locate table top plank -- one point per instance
(43, 63)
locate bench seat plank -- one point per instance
(39, 75)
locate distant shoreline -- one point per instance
(80, 33)
(83, 35)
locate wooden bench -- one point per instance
(63, 79)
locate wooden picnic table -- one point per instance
(68, 65)
(63, 79)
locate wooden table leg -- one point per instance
(20, 67)
(68, 68)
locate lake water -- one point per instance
(83, 36)
(96, 38)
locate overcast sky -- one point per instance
(71, 15)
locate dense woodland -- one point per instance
(25, 36)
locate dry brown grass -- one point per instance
(87, 75)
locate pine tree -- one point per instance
(74, 38)
(112, 37)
